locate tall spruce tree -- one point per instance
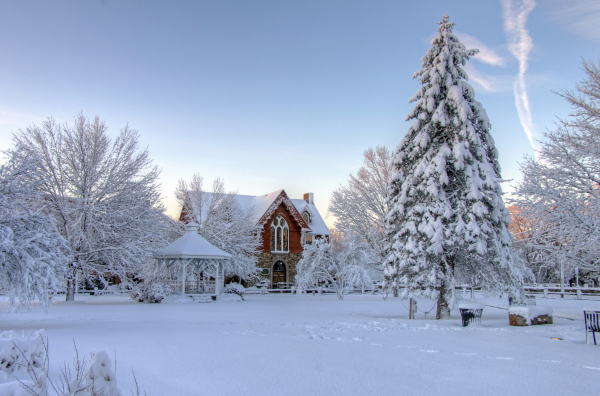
(447, 221)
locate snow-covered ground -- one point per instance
(318, 345)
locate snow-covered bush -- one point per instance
(24, 370)
(151, 291)
(100, 378)
(17, 350)
(342, 270)
(235, 288)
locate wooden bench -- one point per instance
(592, 324)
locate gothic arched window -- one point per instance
(306, 217)
(279, 235)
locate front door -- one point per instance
(278, 273)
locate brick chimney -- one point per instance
(309, 198)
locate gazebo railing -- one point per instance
(191, 286)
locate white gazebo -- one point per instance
(192, 253)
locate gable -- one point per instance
(283, 199)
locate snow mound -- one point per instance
(470, 306)
(177, 299)
(228, 298)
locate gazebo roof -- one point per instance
(191, 245)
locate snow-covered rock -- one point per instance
(529, 315)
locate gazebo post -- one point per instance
(222, 264)
(183, 265)
(217, 283)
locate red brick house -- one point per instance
(287, 224)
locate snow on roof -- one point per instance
(191, 245)
(261, 203)
(317, 224)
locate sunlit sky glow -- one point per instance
(272, 94)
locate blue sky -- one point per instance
(281, 94)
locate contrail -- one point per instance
(520, 44)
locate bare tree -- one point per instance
(223, 222)
(359, 206)
(560, 190)
(104, 195)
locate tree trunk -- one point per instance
(71, 283)
(443, 310)
(70, 290)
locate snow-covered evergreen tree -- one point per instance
(32, 252)
(447, 220)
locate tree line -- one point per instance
(77, 206)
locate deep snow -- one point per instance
(317, 345)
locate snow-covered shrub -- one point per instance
(235, 288)
(100, 378)
(17, 350)
(24, 370)
(151, 291)
(341, 270)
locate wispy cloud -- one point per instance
(579, 16)
(520, 45)
(487, 82)
(486, 54)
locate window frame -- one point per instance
(278, 227)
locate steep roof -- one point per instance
(317, 224)
(261, 205)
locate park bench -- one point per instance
(592, 324)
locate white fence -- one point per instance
(573, 293)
